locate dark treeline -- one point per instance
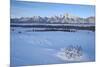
(56, 28)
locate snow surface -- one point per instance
(37, 48)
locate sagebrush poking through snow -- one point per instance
(71, 53)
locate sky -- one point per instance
(29, 9)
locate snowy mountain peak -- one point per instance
(70, 16)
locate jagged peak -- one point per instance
(70, 15)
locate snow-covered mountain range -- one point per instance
(61, 19)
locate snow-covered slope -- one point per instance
(35, 48)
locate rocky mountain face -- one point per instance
(62, 19)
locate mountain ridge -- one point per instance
(66, 18)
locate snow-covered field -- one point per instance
(37, 48)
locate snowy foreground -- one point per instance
(38, 48)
